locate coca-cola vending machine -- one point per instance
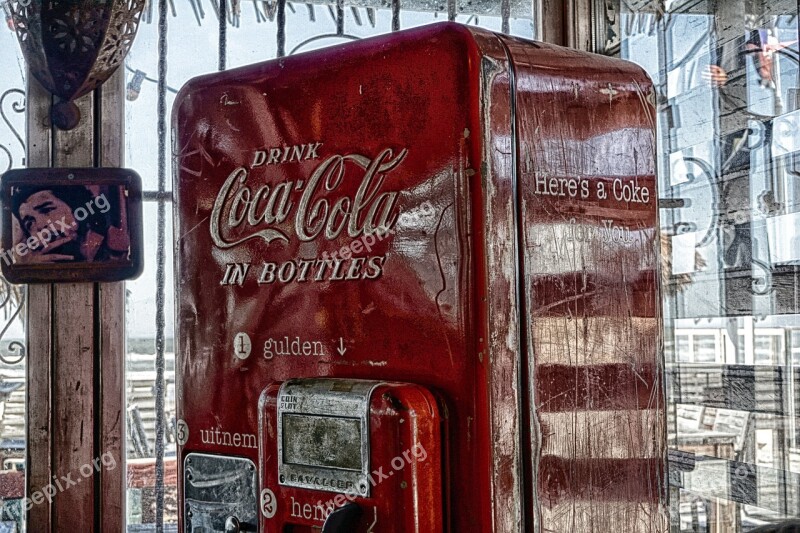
(417, 290)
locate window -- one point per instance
(705, 348)
(768, 349)
(727, 82)
(795, 347)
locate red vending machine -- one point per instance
(417, 291)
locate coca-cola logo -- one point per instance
(308, 209)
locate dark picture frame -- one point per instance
(71, 225)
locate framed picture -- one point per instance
(71, 225)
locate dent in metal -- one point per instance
(323, 435)
(218, 488)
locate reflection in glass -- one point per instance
(728, 84)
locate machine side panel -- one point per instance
(588, 208)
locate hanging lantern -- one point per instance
(73, 46)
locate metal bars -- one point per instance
(223, 33)
(395, 15)
(160, 251)
(282, 27)
(339, 17)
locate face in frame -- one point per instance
(43, 209)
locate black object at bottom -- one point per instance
(344, 519)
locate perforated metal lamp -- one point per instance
(73, 46)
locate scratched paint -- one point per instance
(588, 206)
(527, 321)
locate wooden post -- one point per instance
(564, 22)
(75, 410)
(549, 21)
(39, 401)
(111, 318)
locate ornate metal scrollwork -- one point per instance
(342, 36)
(12, 302)
(707, 171)
(761, 285)
(681, 228)
(12, 100)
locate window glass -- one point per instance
(705, 348)
(12, 325)
(768, 349)
(795, 347)
(727, 85)
(683, 349)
